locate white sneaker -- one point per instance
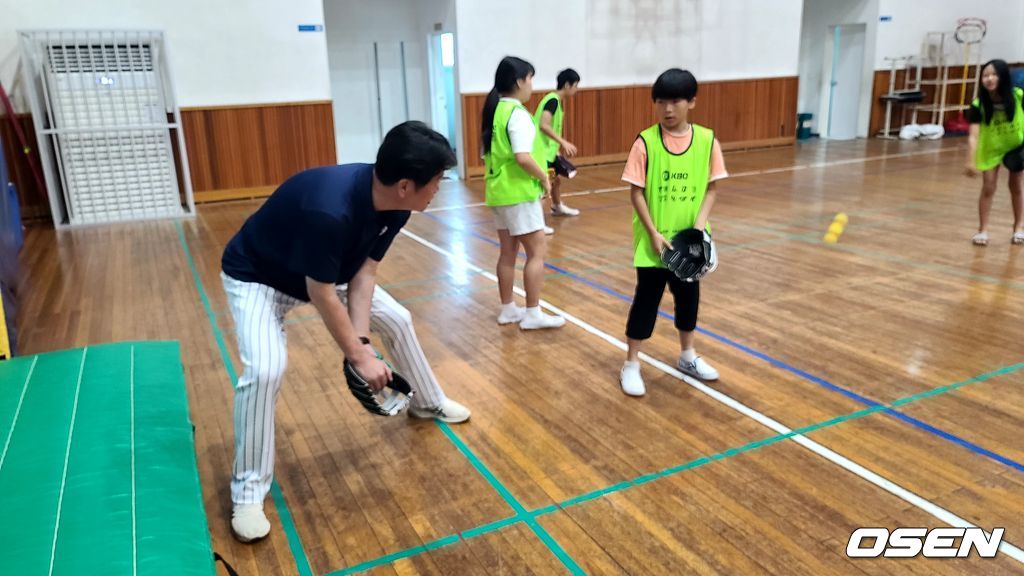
(540, 321)
(511, 317)
(249, 523)
(563, 210)
(548, 230)
(449, 411)
(698, 369)
(630, 380)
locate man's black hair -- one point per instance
(412, 150)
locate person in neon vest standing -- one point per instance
(515, 185)
(672, 169)
(548, 119)
(996, 136)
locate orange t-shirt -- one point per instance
(636, 165)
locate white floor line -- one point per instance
(67, 456)
(566, 195)
(734, 175)
(843, 162)
(17, 412)
(830, 455)
(597, 191)
(456, 207)
(131, 394)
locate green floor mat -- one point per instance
(97, 464)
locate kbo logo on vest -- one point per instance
(934, 543)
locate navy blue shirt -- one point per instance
(320, 223)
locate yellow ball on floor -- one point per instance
(835, 229)
(831, 238)
(842, 218)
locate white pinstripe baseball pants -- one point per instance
(259, 312)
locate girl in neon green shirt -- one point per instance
(997, 129)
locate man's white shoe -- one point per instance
(698, 369)
(449, 411)
(631, 381)
(548, 230)
(249, 523)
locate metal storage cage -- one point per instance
(104, 112)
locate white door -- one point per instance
(354, 89)
(373, 85)
(442, 85)
(845, 74)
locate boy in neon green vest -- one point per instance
(672, 168)
(548, 119)
(997, 131)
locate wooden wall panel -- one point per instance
(581, 121)
(472, 105)
(604, 122)
(614, 133)
(233, 151)
(248, 147)
(33, 201)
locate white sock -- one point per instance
(509, 309)
(631, 365)
(688, 355)
(534, 312)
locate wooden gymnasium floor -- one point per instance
(558, 471)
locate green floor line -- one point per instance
(691, 465)
(511, 500)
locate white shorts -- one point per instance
(519, 219)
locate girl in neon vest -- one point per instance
(515, 185)
(672, 168)
(997, 132)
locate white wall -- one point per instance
(904, 34)
(1020, 37)
(612, 43)
(352, 27)
(222, 51)
(815, 43)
